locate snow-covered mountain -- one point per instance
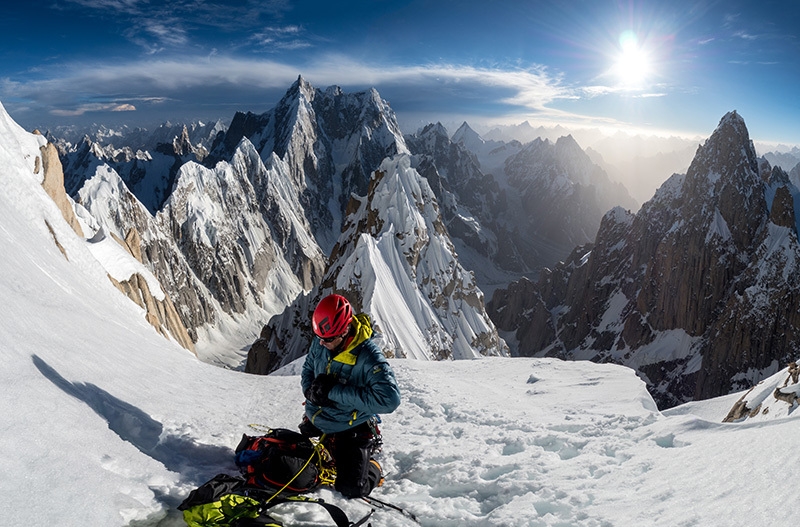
(201, 134)
(471, 203)
(697, 291)
(249, 232)
(397, 236)
(255, 232)
(331, 141)
(640, 162)
(228, 243)
(147, 162)
(563, 195)
(491, 154)
(788, 161)
(105, 422)
(394, 261)
(546, 197)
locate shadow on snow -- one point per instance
(195, 463)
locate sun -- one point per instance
(632, 66)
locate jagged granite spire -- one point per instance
(699, 291)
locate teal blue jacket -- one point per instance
(367, 385)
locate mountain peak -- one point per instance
(731, 129)
(568, 144)
(300, 87)
(728, 153)
(434, 129)
(466, 135)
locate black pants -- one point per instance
(356, 475)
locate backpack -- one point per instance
(220, 503)
(281, 462)
(227, 501)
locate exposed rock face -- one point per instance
(523, 310)
(698, 291)
(53, 183)
(261, 360)
(161, 313)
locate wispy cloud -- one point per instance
(532, 89)
(160, 27)
(224, 81)
(745, 35)
(94, 107)
(280, 38)
(116, 5)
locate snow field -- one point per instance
(106, 423)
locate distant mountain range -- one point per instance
(247, 225)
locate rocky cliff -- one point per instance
(698, 291)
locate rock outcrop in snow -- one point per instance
(53, 184)
(699, 291)
(144, 290)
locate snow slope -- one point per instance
(106, 423)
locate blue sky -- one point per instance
(656, 66)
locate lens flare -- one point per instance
(632, 66)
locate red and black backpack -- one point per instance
(282, 461)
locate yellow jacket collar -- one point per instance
(362, 330)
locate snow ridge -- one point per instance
(401, 231)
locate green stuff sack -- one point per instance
(227, 501)
(217, 503)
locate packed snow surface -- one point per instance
(106, 423)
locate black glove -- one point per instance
(308, 429)
(317, 394)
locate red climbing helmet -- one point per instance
(332, 316)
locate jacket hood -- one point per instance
(362, 330)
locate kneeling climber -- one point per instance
(347, 381)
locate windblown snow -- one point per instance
(107, 423)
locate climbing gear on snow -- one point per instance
(227, 501)
(377, 472)
(217, 503)
(380, 504)
(282, 461)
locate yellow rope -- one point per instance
(315, 452)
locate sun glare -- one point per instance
(632, 66)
